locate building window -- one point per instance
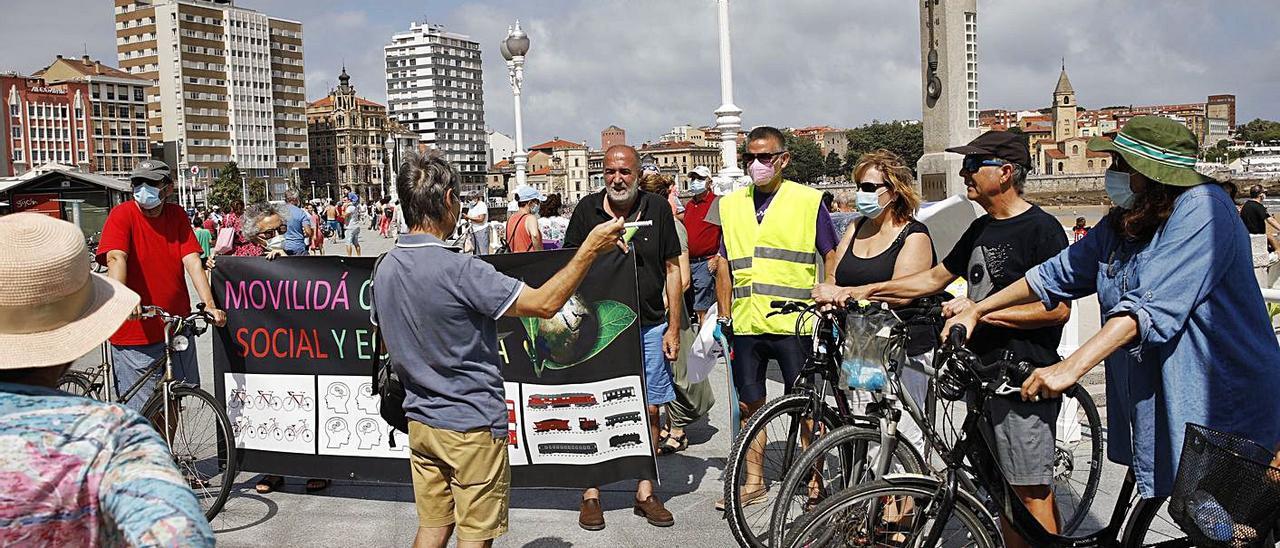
(1059, 167)
(13, 110)
(1075, 149)
(1090, 164)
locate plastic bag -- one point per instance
(862, 359)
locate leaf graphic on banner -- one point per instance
(531, 328)
(615, 318)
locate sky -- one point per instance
(649, 65)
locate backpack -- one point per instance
(386, 383)
(226, 241)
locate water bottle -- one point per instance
(1212, 519)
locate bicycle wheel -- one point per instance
(1078, 460)
(76, 384)
(203, 445)
(776, 431)
(893, 512)
(1149, 525)
(841, 459)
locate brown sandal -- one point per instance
(269, 483)
(317, 484)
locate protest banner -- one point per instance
(293, 367)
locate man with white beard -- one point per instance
(657, 250)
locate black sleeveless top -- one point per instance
(853, 270)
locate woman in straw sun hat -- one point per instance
(77, 471)
(1185, 332)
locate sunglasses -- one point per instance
(277, 231)
(973, 163)
(764, 157)
(871, 187)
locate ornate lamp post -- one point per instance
(728, 116)
(514, 48)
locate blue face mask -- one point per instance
(147, 196)
(1117, 183)
(868, 204)
(697, 185)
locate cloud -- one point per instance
(646, 66)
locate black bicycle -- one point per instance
(771, 441)
(92, 244)
(842, 458)
(914, 510)
(192, 422)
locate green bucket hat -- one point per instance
(1157, 147)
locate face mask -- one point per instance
(696, 186)
(535, 208)
(868, 204)
(761, 173)
(1117, 183)
(276, 243)
(147, 196)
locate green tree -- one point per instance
(226, 189)
(806, 165)
(834, 166)
(904, 138)
(1259, 130)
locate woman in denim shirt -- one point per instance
(1186, 335)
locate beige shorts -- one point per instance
(461, 479)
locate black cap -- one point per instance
(150, 170)
(1010, 147)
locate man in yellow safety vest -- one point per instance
(773, 232)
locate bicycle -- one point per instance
(91, 243)
(296, 400)
(857, 516)
(192, 422)
(802, 416)
(841, 455)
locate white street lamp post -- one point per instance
(514, 48)
(390, 169)
(728, 116)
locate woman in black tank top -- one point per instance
(887, 243)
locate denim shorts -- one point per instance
(659, 382)
(704, 285)
(130, 362)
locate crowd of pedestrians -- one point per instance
(1185, 334)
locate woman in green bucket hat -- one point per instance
(1185, 332)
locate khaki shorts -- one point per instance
(461, 479)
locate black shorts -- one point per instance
(751, 355)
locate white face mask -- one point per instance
(276, 243)
(1117, 185)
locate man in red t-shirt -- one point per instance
(146, 245)
(704, 240)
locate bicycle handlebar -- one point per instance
(199, 319)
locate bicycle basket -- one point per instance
(862, 356)
(1225, 493)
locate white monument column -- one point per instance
(728, 116)
(949, 91)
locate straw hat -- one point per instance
(52, 309)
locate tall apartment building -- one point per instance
(119, 104)
(43, 123)
(434, 88)
(227, 84)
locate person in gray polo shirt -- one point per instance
(437, 310)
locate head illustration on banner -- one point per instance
(337, 433)
(365, 401)
(368, 433)
(336, 397)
